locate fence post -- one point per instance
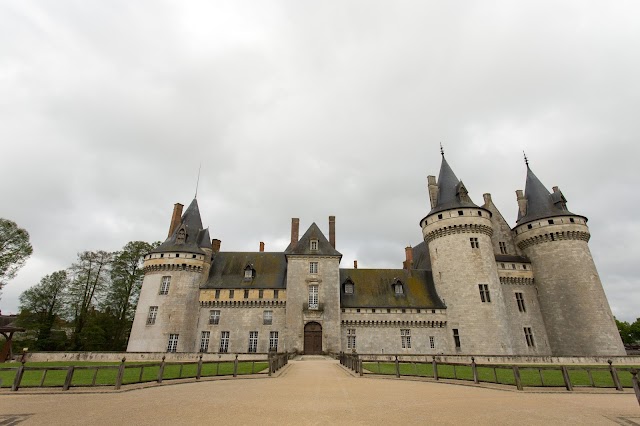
(199, 372)
(356, 361)
(67, 380)
(18, 378)
(120, 374)
(235, 367)
(397, 367)
(434, 363)
(161, 370)
(636, 386)
(516, 375)
(360, 367)
(567, 380)
(270, 362)
(474, 368)
(614, 375)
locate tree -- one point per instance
(630, 333)
(15, 249)
(41, 306)
(90, 278)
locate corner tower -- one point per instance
(167, 312)
(458, 234)
(574, 307)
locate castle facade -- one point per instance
(474, 285)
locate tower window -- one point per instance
(513, 266)
(351, 338)
(153, 313)
(273, 341)
(474, 242)
(314, 245)
(204, 341)
(164, 286)
(528, 335)
(172, 346)
(194, 256)
(224, 342)
(214, 317)
(267, 317)
(479, 213)
(460, 213)
(550, 221)
(405, 338)
(484, 293)
(432, 342)
(571, 220)
(313, 267)
(456, 338)
(529, 226)
(520, 302)
(313, 296)
(503, 247)
(439, 216)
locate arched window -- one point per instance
(249, 273)
(349, 287)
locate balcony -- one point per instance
(318, 308)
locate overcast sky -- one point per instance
(309, 109)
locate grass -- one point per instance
(529, 375)
(105, 373)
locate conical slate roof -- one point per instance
(189, 235)
(451, 191)
(540, 202)
(303, 246)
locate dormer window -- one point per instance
(348, 287)
(398, 289)
(249, 273)
(182, 236)
(313, 245)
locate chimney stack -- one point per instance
(556, 189)
(175, 218)
(332, 231)
(295, 230)
(433, 190)
(408, 263)
(215, 244)
(487, 198)
(261, 246)
(522, 202)
(355, 264)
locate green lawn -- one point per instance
(134, 373)
(530, 375)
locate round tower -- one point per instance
(458, 234)
(575, 310)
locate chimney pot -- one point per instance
(522, 202)
(408, 263)
(261, 246)
(175, 218)
(295, 230)
(355, 264)
(433, 190)
(215, 244)
(332, 231)
(487, 198)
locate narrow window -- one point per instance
(217, 294)
(456, 338)
(571, 220)
(273, 341)
(474, 243)
(231, 294)
(479, 213)
(373, 310)
(520, 302)
(260, 294)
(503, 247)
(164, 287)
(173, 343)
(529, 226)
(484, 293)
(224, 342)
(348, 288)
(524, 266)
(313, 296)
(276, 293)
(248, 274)
(246, 294)
(214, 317)
(194, 256)
(267, 317)
(388, 310)
(398, 289)
(432, 342)
(314, 245)
(528, 335)
(153, 313)
(351, 338)
(439, 216)
(313, 267)
(204, 341)
(502, 265)
(513, 266)
(405, 338)
(253, 342)
(550, 221)
(460, 213)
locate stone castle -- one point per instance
(474, 285)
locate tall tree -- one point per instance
(41, 306)
(124, 290)
(15, 249)
(90, 279)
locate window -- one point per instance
(217, 294)
(529, 226)
(529, 336)
(253, 342)
(204, 341)
(432, 342)
(214, 317)
(276, 293)
(267, 317)
(513, 266)
(502, 266)
(474, 243)
(314, 245)
(550, 221)
(456, 338)
(571, 220)
(231, 294)
(520, 301)
(351, 338)
(153, 313)
(358, 310)
(479, 213)
(524, 266)
(173, 343)
(313, 267)
(260, 294)
(439, 216)
(273, 341)
(348, 288)
(246, 294)
(405, 337)
(248, 274)
(484, 293)
(164, 287)
(313, 296)
(397, 288)
(460, 213)
(224, 342)
(503, 247)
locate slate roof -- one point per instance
(451, 191)
(373, 289)
(303, 247)
(421, 258)
(196, 237)
(227, 270)
(540, 202)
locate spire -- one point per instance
(452, 193)
(540, 202)
(188, 235)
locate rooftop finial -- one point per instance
(198, 180)
(441, 149)
(526, 160)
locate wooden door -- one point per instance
(312, 339)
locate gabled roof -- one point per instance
(227, 270)
(373, 289)
(540, 202)
(451, 191)
(303, 246)
(195, 239)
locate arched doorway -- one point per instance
(312, 338)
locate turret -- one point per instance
(576, 313)
(173, 274)
(458, 234)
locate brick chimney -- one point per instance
(487, 198)
(355, 264)
(261, 246)
(295, 230)
(522, 202)
(215, 243)
(175, 218)
(332, 231)
(433, 190)
(408, 263)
